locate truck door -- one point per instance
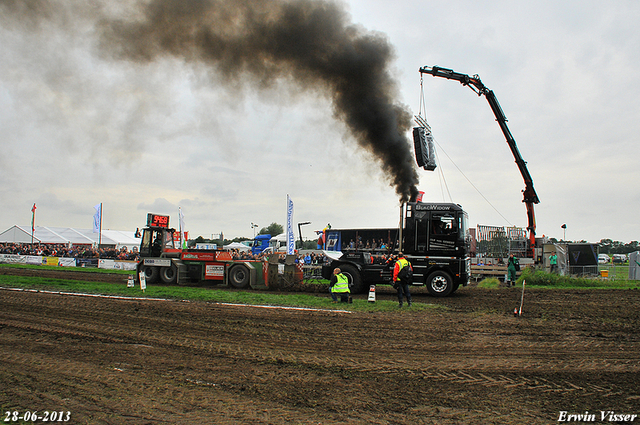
(416, 237)
(421, 234)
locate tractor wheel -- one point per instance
(239, 277)
(440, 284)
(168, 274)
(151, 274)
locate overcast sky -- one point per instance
(79, 127)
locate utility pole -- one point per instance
(300, 230)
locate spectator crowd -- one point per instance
(63, 250)
(86, 251)
(369, 245)
(310, 258)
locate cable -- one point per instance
(441, 171)
(471, 183)
(442, 179)
(422, 103)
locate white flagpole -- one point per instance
(100, 234)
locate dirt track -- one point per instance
(128, 361)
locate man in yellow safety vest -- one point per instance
(401, 281)
(339, 286)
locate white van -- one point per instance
(603, 259)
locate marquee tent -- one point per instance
(68, 235)
(238, 246)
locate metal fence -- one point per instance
(584, 271)
(500, 242)
(311, 272)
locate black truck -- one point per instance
(434, 237)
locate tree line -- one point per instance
(609, 246)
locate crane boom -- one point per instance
(529, 194)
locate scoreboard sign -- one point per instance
(155, 220)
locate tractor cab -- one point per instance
(158, 239)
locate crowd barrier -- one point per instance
(68, 262)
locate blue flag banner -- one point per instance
(96, 218)
(290, 240)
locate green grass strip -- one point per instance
(217, 295)
(542, 279)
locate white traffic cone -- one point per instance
(372, 294)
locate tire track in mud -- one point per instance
(142, 390)
(519, 381)
(180, 393)
(263, 349)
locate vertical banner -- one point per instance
(97, 218)
(290, 239)
(183, 239)
(97, 223)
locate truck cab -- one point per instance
(260, 243)
(278, 243)
(436, 229)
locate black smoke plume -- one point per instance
(309, 42)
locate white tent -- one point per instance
(18, 234)
(122, 238)
(237, 245)
(68, 235)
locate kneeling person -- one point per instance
(339, 286)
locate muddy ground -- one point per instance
(114, 361)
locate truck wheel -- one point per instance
(440, 284)
(168, 274)
(239, 277)
(355, 282)
(151, 274)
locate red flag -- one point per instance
(419, 198)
